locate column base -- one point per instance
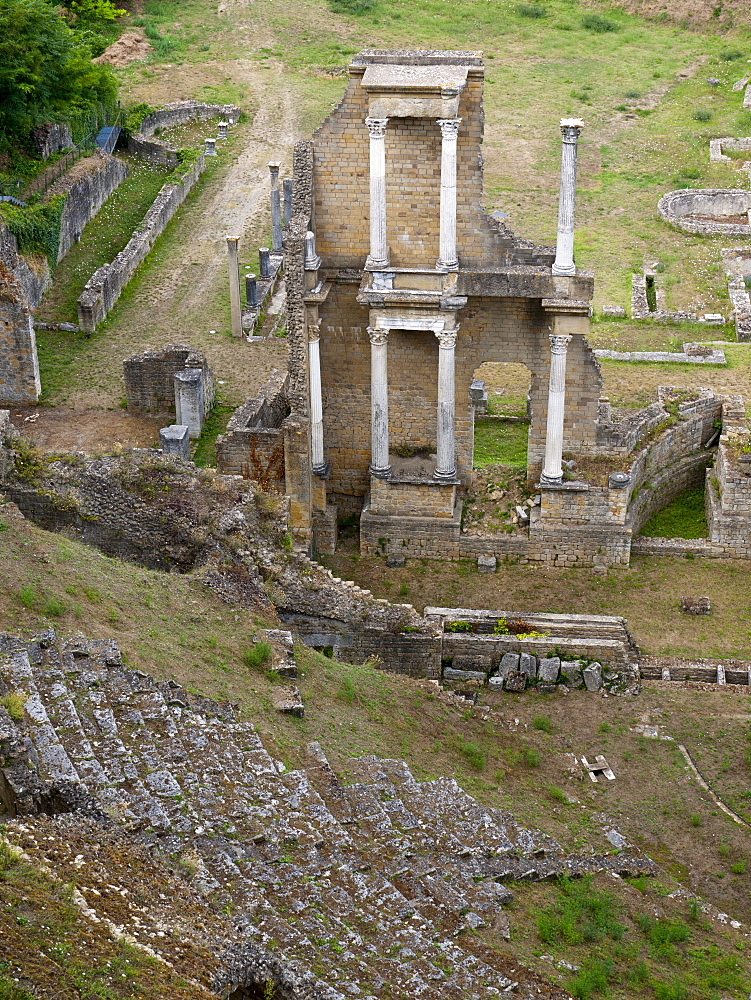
(445, 477)
(564, 271)
(551, 480)
(375, 264)
(447, 265)
(384, 473)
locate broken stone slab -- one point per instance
(395, 562)
(509, 662)
(528, 665)
(288, 700)
(592, 677)
(548, 670)
(495, 683)
(450, 674)
(486, 564)
(175, 440)
(546, 687)
(572, 670)
(617, 311)
(516, 680)
(696, 605)
(472, 661)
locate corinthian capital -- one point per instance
(571, 129)
(559, 343)
(314, 332)
(378, 337)
(377, 127)
(447, 339)
(449, 127)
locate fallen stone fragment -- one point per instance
(288, 700)
(593, 677)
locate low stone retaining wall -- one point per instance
(677, 208)
(644, 545)
(700, 670)
(105, 286)
(85, 196)
(676, 357)
(157, 152)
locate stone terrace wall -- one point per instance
(155, 151)
(149, 378)
(21, 289)
(104, 287)
(85, 195)
(728, 492)
(676, 207)
(253, 444)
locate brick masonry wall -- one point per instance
(149, 385)
(253, 444)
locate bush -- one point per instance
(599, 24)
(581, 914)
(27, 597)
(592, 978)
(346, 692)
(473, 754)
(352, 6)
(37, 228)
(542, 723)
(728, 55)
(257, 655)
(702, 115)
(531, 10)
(531, 757)
(54, 608)
(13, 704)
(739, 868)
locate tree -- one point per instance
(45, 72)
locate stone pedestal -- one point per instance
(445, 465)
(276, 209)
(564, 247)
(210, 147)
(189, 401)
(378, 256)
(379, 404)
(175, 440)
(447, 258)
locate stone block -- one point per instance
(528, 665)
(593, 677)
(509, 662)
(516, 681)
(472, 661)
(175, 440)
(696, 605)
(572, 671)
(549, 669)
(546, 687)
(486, 564)
(450, 674)
(617, 311)
(395, 562)
(189, 399)
(495, 683)
(288, 700)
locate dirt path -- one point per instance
(182, 295)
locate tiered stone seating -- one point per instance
(357, 885)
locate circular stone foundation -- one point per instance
(708, 211)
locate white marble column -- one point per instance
(552, 471)
(379, 403)
(445, 466)
(378, 250)
(447, 259)
(316, 402)
(564, 245)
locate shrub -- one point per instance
(531, 757)
(728, 55)
(599, 24)
(54, 608)
(702, 115)
(257, 655)
(581, 914)
(531, 10)
(592, 978)
(739, 868)
(27, 596)
(346, 692)
(695, 820)
(13, 704)
(473, 753)
(351, 6)
(557, 794)
(542, 723)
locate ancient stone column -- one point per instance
(234, 287)
(564, 245)
(552, 471)
(379, 404)
(312, 261)
(287, 188)
(445, 467)
(447, 259)
(378, 250)
(264, 264)
(251, 291)
(222, 130)
(316, 402)
(276, 209)
(210, 147)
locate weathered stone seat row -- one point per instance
(369, 883)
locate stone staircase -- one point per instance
(387, 880)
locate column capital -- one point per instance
(377, 127)
(314, 332)
(571, 129)
(559, 343)
(447, 339)
(449, 127)
(378, 337)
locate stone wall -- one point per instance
(85, 195)
(22, 284)
(50, 138)
(253, 444)
(677, 208)
(104, 287)
(728, 491)
(158, 152)
(149, 378)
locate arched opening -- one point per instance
(500, 395)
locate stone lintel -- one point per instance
(523, 282)
(573, 307)
(570, 487)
